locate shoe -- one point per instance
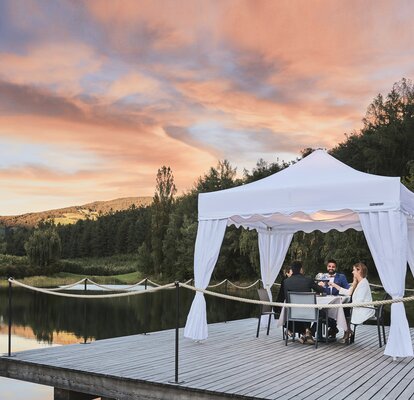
(302, 339)
(348, 337)
(308, 333)
(310, 340)
(308, 336)
(332, 332)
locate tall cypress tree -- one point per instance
(163, 200)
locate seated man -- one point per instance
(298, 282)
(339, 280)
(287, 273)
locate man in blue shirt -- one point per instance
(340, 280)
(335, 277)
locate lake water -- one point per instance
(43, 320)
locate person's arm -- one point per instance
(343, 291)
(317, 288)
(344, 282)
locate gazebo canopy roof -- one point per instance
(318, 192)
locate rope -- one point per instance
(382, 287)
(244, 287)
(68, 286)
(154, 284)
(126, 292)
(115, 290)
(91, 296)
(132, 286)
(269, 303)
(217, 284)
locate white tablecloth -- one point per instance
(335, 313)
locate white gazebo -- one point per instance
(317, 193)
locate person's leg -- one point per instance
(322, 315)
(332, 328)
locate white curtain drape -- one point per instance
(210, 235)
(386, 234)
(273, 247)
(410, 256)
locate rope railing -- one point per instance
(157, 287)
(244, 287)
(218, 284)
(293, 305)
(127, 288)
(69, 286)
(89, 296)
(382, 287)
(155, 284)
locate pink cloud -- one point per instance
(131, 83)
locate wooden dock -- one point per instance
(232, 363)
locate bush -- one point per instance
(15, 266)
(100, 267)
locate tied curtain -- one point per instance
(411, 245)
(210, 235)
(386, 233)
(273, 247)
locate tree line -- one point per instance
(163, 234)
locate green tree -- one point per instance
(43, 247)
(162, 205)
(385, 144)
(218, 178)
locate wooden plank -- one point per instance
(232, 362)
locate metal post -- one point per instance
(177, 326)
(145, 308)
(10, 316)
(85, 335)
(225, 301)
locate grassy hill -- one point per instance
(70, 215)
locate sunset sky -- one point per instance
(95, 96)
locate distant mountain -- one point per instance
(70, 215)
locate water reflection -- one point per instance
(11, 389)
(53, 319)
(40, 320)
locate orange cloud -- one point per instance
(62, 66)
(136, 85)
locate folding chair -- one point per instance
(297, 314)
(379, 318)
(264, 309)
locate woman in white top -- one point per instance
(361, 293)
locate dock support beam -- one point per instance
(62, 394)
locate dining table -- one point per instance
(335, 313)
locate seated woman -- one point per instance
(361, 293)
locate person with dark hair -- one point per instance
(298, 282)
(340, 281)
(287, 273)
(335, 277)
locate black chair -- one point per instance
(264, 309)
(379, 318)
(298, 314)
